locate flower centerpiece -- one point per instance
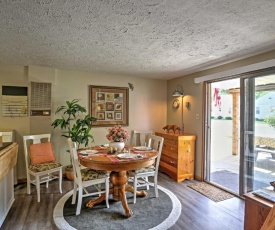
(117, 137)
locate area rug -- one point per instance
(148, 213)
(211, 191)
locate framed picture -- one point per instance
(118, 116)
(100, 97)
(101, 106)
(109, 115)
(118, 106)
(110, 105)
(100, 116)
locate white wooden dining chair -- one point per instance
(86, 177)
(140, 176)
(140, 137)
(41, 166)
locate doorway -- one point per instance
(240, 134)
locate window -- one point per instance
(257, 110)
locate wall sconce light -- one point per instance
(178, 92)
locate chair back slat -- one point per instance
(140, 137)
(156, 143)
(75, 161)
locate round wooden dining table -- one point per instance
(119, 173)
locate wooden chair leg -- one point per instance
(156, 185)
(74, 194)
(60, 180)
(48, 178)
(135, 189)
(28, 183)
(37, 184)
(107, 192)
(147, 182)
(79, 202)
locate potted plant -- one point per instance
(74, 124)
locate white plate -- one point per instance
(83, 153)
(126, 155)
(87, 152)
(91, 151)
(106, 145)
(142, 148)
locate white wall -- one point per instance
(147, 102)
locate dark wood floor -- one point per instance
(198, 212)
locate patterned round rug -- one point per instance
(148, 213)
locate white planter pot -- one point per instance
(118, 145)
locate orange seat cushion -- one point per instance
(41, 153)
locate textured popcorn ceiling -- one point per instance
(160, 39)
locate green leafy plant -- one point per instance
(73, 124)
(270, 120)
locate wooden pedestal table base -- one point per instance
(119, 189)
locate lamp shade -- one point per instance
(178, 92)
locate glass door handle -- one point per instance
(248, 132)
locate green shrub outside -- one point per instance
(270, 121)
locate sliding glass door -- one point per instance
(240, 132)
(223, 156)
(258, 144)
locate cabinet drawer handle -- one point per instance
(173, 149)
(172, 162)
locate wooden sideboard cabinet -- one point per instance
(178, 156)
(256, 211)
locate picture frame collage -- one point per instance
(109, 105)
